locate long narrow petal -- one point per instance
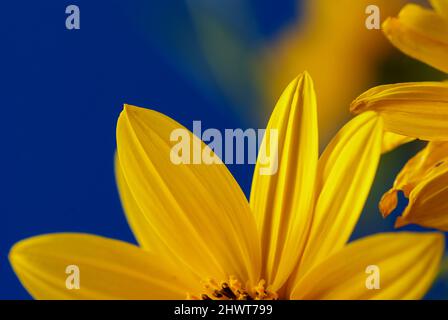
(345, 175)
(418, 110)
(421, 33)
(407, 264)
(198, 211)
(107, 269)
(282, 203)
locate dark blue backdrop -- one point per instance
(61, 93)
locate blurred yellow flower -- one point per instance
(328, 38)
(424, 180)
(333, 44)
(417, 110)
(422, 33)
(201, 238)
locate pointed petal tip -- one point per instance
(134, 112)
(304, 76)
(19, 252)
(19, 248)
(131, 109)
(388, 202)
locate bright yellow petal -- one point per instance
(418, 110)
(441, 7)
(137, 221)
(416, 170)
(142, 228)
(108, 269)
(282, 203)
(408, 263)
(392, 141)
(198, 211)
(345, 175)
(420, 33)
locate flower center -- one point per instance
(232, 289)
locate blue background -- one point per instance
(61, 94)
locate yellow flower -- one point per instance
(424, 180)
(201, 238)
(422, 33)
(327, 42)
(417, 110)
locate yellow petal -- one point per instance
(407, 262)
(418, 110)
(441, 7)
(392, 141)
(282, 203)
(420, 33)
(345, 175)
(108, 269)
(141, 228)
(416, 170)
(428, 205)
(198, 211)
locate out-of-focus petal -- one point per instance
(305, 45)
(421, 33)
(441, 7)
